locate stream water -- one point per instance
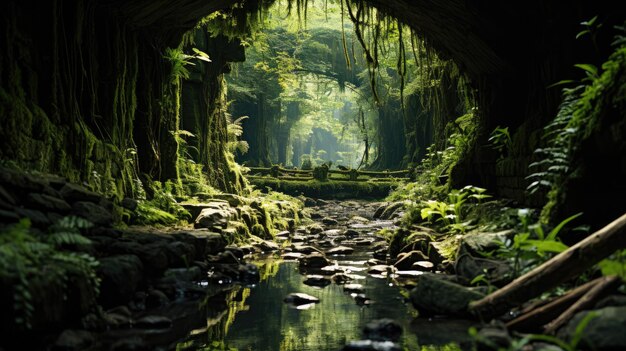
(257, 319)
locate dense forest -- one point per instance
(312, 175)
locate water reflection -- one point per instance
(257, 319)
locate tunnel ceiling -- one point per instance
(483, 37)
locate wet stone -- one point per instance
(369, 345)
(351, 233)
(292, 255)
(300, 299)
(329, 221)
(382, 330)
(424, 266)
(340, 250)
(153, 322)
(316, 280)
(74, 340)
(356, 288)
(340, 278)
(314, 260)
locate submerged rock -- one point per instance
(353, 288)
(383, 330)
(316, 280)
(340, 250)
(369, 345)
(300, 299)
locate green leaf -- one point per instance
(547, 245)
(561, 82)
(589, 68)
(554, 232)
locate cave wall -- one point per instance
(511, 51)
(87, 93)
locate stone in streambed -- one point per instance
(370, 345)
(405, 261)
(314, 260)
(424, 266)
(353, 288)
(316, 280)
(153, 322)
(340, 250)
(300, 299)
(383, 330)
(435, 296)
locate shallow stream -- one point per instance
(257, 318)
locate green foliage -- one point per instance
(179, 60)
(23, 253)
(451, 214)
(162, 208)
(531, 246)
(306, 162)
(501, 141)
(578, 116)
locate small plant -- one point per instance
(500, 140)
(23, 253)
(531, 245)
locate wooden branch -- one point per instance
(532, 319)
(591, 297)
(555, 271)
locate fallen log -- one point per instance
(591, 297)
(533, 318)
(564, 266)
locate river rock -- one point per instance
(292, 255)
(309, 202)
(204, 241)
(300, 299)
(340, 278)
(316, 280)
(369, 345)
(353, 288)
(153, 322)
(212, 218)
(405, 260)
(351, 233)
(248, 273)
(435, 296)
(120, 276)
(156, 298)
(381, 268)
(305, 249)
(71, 340)
(267, 246)
(182, 274)
(314, 260)
(469, 267)
(329, 221)
(424, 266)
(605, 331)
(383, 330)
(314, 228)
(340, 250)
